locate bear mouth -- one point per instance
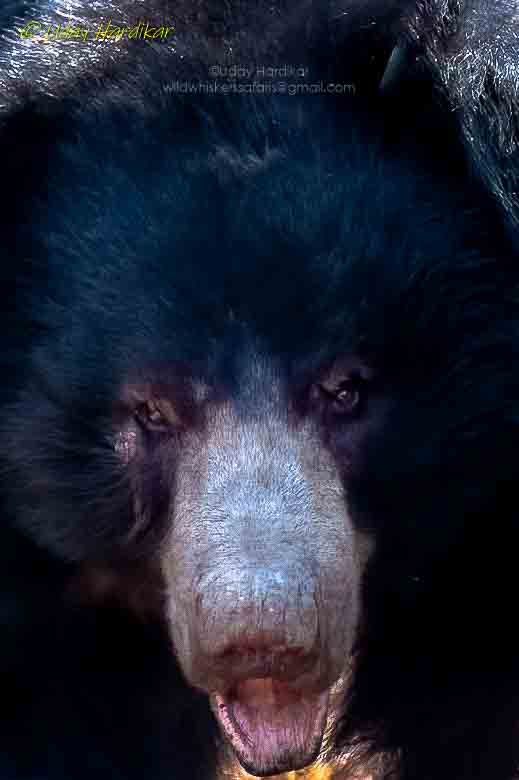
(271, 726)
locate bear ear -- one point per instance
(469, 50)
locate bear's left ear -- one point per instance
(470, 49)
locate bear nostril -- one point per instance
(244, 661)
(262, 648)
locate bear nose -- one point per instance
(252, 626)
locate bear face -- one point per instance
(257, 404)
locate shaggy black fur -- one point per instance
(133, 221)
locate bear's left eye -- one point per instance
(345, 398)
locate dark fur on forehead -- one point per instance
(287, 205)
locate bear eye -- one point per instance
(155, 416)
(345, 398)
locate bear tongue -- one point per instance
(272, 727)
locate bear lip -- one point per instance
(271, 726)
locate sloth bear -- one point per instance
(259, 419)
